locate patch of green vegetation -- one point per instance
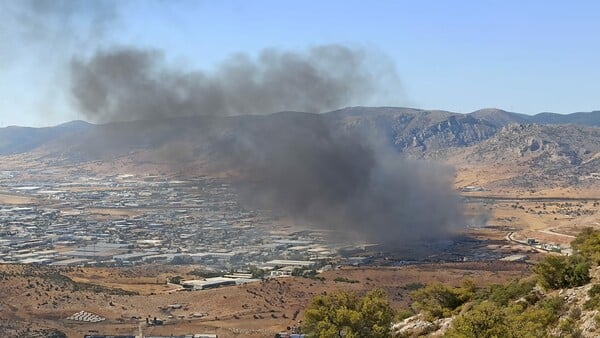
(594, 302)
(438, 300)
(594, 290)
(345, 280)
(343, 314)
(257, 272)
(489, 319)
(403, 314)
(206, 273)
(557, 272)
(175, 279)
(413, 286)
(514, 309)
(587, 244)
(502, 294)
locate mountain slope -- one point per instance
(499, 117)
(583, 119)
(15, 140)
(535, 156)
(501, 148)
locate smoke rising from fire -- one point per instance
(132, 83)
(357, 187)
(309, 166)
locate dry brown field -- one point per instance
(40, 298)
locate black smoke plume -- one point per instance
(311, 169)
(131, 83)
(309, 166)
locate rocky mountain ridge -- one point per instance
(416, 132)
(534, 147)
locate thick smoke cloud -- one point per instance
(361, 189)
(305, 165)
(131, 83)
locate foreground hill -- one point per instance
(40, 298)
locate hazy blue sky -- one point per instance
(522, 56)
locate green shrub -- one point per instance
(554, 305)
(587, 244)
(175, 279)
(438, 300)
(413, 286)
(346, 314)
(594, 302)
(484, 320)
(557, 272)
(490, 319)
(402, 314)
(594, 290)
(206, 273)
(501, 294)
(345, 280)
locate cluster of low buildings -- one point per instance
(124, 220)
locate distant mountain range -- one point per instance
(545, 145)
(407, 127)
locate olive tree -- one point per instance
(344, 314)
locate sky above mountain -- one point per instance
(520, 56)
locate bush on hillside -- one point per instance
(345, 314)
(557, 272)
(587, 244)
(439, 300)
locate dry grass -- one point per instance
(252, 310)
(110, 213)
(14, 199)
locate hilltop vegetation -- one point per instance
(558, 300)
(345, 314)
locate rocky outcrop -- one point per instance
(418, 326)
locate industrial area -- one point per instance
(127, 220)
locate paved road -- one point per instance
(511, 239)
